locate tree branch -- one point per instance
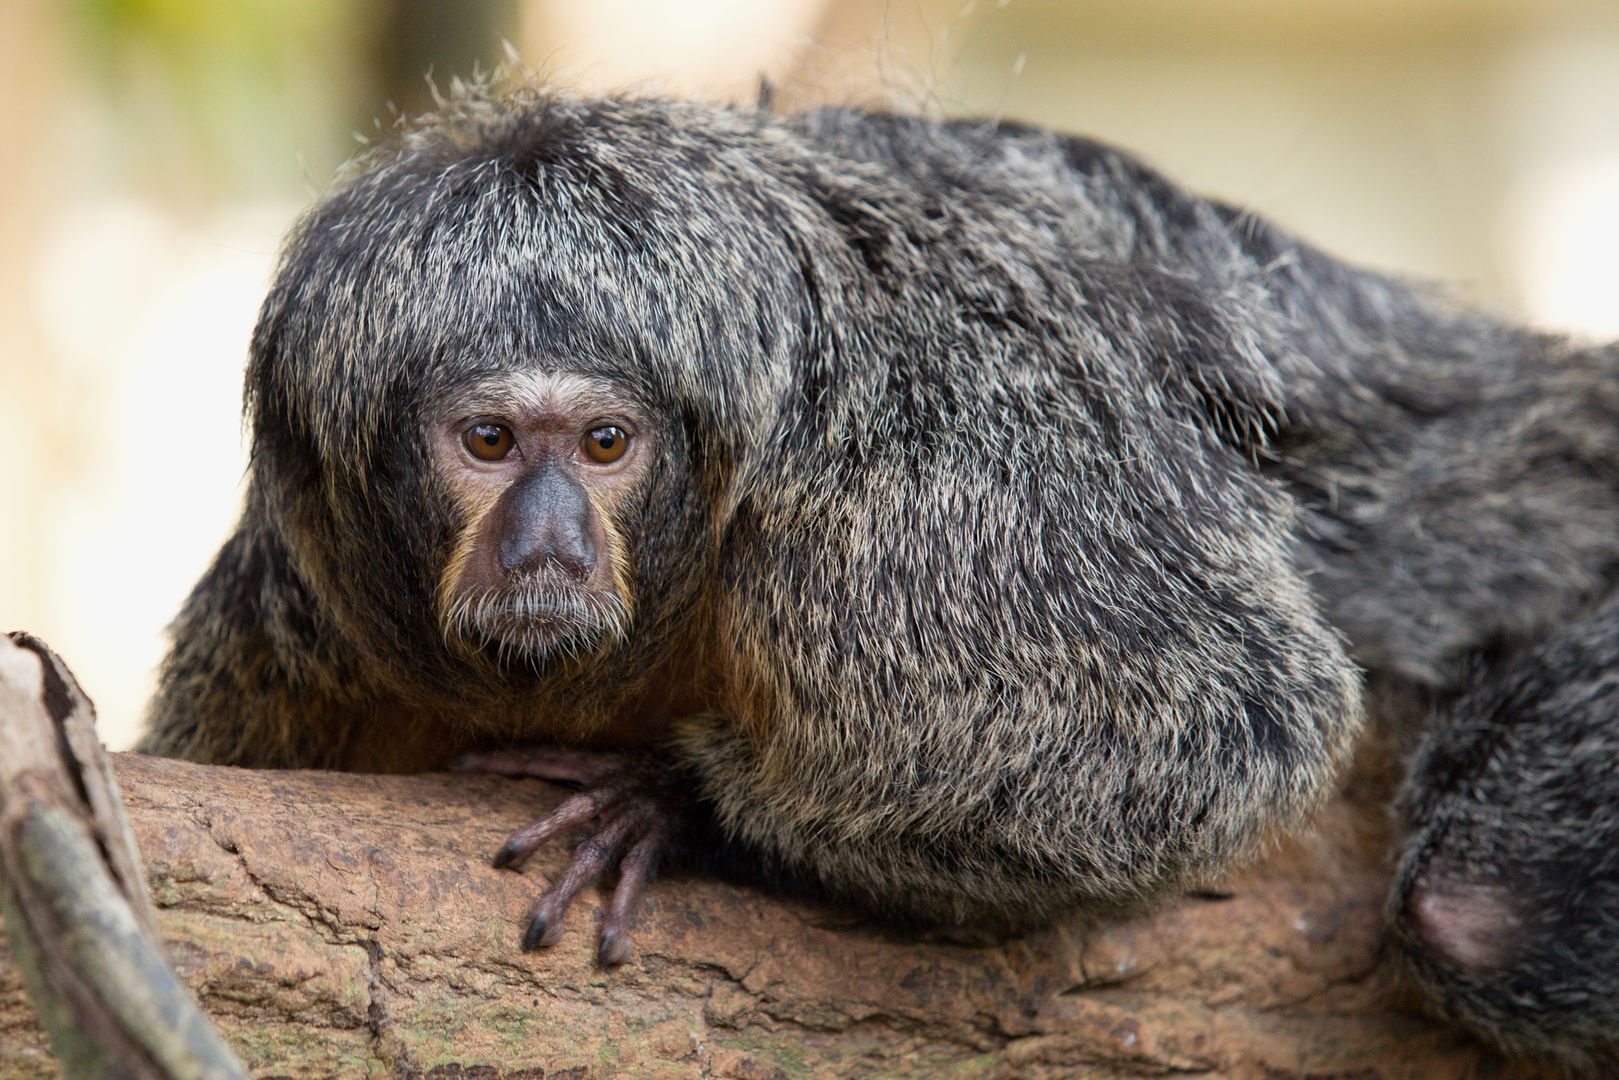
(351, 925)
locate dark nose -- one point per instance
(547, 520)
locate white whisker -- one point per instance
(537, 619)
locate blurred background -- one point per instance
(156, 150)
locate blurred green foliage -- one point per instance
(206, 98)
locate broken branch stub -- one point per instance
(73, 890)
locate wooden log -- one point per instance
(347, 925)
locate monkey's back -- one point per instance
(1457, 473)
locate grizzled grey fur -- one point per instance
(1029, 522)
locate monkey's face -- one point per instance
(541, 468)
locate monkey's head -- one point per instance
(542, 469)
(509, 378)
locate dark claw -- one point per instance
(614, 948)
(510, 850)
(535, 936)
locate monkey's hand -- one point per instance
(632, 823)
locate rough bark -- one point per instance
(346, 925)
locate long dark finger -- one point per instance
(560, 766)
(570, 812)
(590, 860)
(635, 872)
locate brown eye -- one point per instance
(489, 442)
(606, 445)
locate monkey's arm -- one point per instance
(981, 699)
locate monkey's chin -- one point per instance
(538, 623)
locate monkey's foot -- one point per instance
(631, 829)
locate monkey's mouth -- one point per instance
(538, 619)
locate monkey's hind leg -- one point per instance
(632, 827)
(1506, 903)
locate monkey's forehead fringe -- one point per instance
(356, 324)
(338, 363)
(534, 231)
